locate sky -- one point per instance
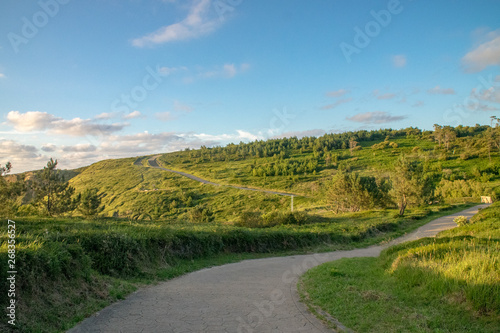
(83, 81)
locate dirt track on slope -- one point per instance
(154, 164)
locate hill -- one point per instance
(304, 167)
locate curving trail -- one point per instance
(250, 296)
(153, 163)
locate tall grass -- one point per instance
(446, 284)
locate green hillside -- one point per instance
(304, 167)
(154, 224)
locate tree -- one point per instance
(438, 134)
(5, 169)
(408, 184)
(493, 135)
(9, 191)
(52, 191)
(89, 203)
(353, 145)
(448, 135)
(350, 192)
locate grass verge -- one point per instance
(447, 284)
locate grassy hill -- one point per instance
(158, 224)
(130, 188)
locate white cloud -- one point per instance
(80, 148)
(105, 116)
(247, 136)
(337, 103)
(337, 93)
(133, 115)
(83, 127)
(482, 107)
(380, 96)
(226, 71)
(42, 121)
(31, 120)
(27, 157)
(180, 107)
(437, 90)
(386, 96)
(488, 95)
(139, 144)
(301, 134)
(399, 60)
(165, 116)
(225, 138)
(167, 71)
(377, 117)
(10, 147)
(48, 148)
(23, 157)
(2, 76)
(485, 55)
(197, 23)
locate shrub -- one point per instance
(252, 219)
(201, 214)
(249, 219)
(280, 218)
(461, 221)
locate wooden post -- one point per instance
(292, 203)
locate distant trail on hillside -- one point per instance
(154, 164)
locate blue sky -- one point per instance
(83, 81)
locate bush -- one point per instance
(461, 221)
(201, 214)
(280, 218)
(251, 219)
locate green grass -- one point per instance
(447, 284)
(71, 268)
(144, 193)
(367, 161)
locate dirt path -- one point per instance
(250, 296)
(154, 163)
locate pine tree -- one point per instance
(90, 203)
(52, 191)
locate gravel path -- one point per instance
(153, 163)
(250, 296)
